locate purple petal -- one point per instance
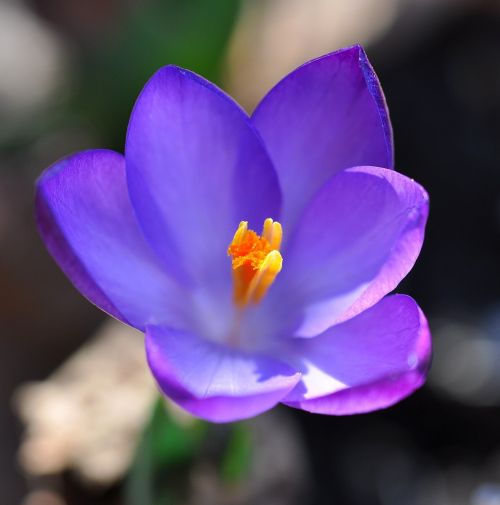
(354, 243)
(85, 218)
(367, 363)
(215, 382)
(327, 115)
(195, 169)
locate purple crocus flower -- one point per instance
(163, 239)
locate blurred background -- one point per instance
(70, 71)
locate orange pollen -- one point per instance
(256, 261)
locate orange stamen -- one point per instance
(256, 261)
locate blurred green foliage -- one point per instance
(171, 451)
(165, 453)
(237, 456)
(106, 74)
(189, 33)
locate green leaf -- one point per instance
(165, 453)
(189, 33)
(237, 457)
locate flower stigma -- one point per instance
(256, 261)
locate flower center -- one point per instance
(256, 261)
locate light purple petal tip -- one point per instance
(415, 202)
(367, 363)
(196, 167)
(212, 381)
(354, 243)
(327, 115)
(85, 218)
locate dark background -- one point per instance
(69, 74)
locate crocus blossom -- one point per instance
(167, 239)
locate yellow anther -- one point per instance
(264, 277)
(240, 233)
(273, 233)
(256, 261)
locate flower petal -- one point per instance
(369, 362)
(195, 169)
(327, 115)
(215, 382)
(85, 218)
(354, 243)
